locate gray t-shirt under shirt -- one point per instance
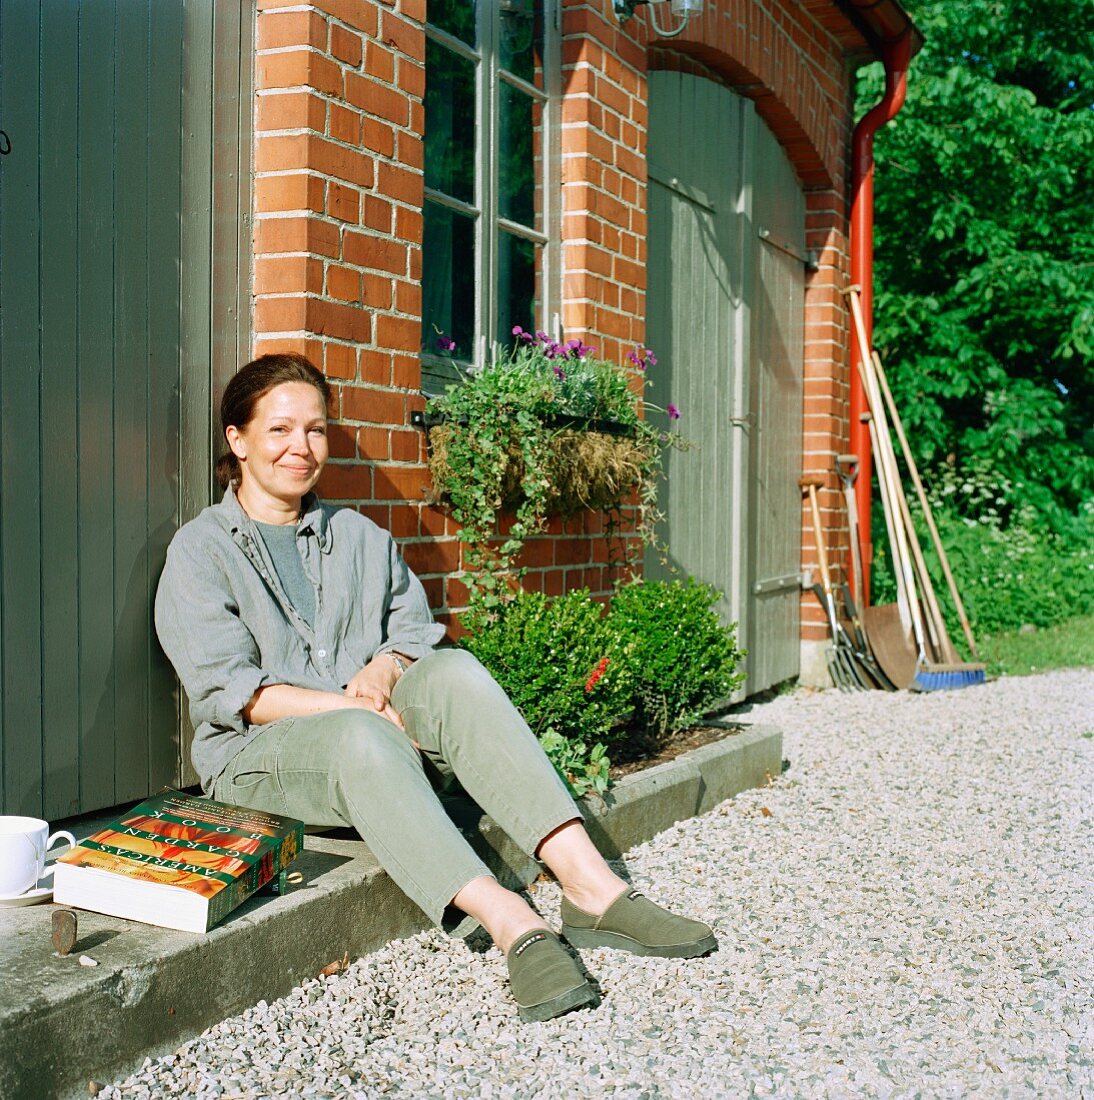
(280, 540)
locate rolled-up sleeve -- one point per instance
(408, 625)
(198, 624)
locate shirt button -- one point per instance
(321, 652)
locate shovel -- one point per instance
(899, 638)
(847, 470)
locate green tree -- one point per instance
(984, 273)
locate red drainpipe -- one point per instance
(896, 57)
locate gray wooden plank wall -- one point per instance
(694, 295)
(90, 94)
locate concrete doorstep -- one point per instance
(65, 1024)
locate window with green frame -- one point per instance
(490, 253)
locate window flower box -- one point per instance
(547, 429)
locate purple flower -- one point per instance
(560, 374)
(445, 343)
(521, 335)
(577, 349)
(673, 411)
(642, 357)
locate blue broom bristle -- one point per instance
(948, 679)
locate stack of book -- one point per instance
(178, 861)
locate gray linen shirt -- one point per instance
(228, 627)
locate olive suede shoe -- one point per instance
(545, 979)
(634, 923)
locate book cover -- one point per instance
(208, 856)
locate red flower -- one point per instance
(595, 675)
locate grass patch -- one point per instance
(1068, 644)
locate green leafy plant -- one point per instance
(1011, 566)
(984, 234)
(586, 680)
(684, 658)
(546, 428)
(584, 770)
(560, 663)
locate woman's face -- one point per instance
(283, 448)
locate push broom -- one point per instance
(946, 671)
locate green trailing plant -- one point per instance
(684, 658)
(547, 428)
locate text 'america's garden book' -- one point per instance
(178, 861)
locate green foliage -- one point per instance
(584, 679)
(984, 275)
(1069, 644)
(509, 411)
(496, 412)
(684, 658)
(584, 770)
(544, 651)
(1011, 568)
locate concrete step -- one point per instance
(65, 1024)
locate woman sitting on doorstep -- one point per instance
(318, 690)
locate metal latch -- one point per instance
(777, 584)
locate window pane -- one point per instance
(520, 265)
(520, 141)
(449, 123)
(457, 17)
(448, 281)
(521, 44)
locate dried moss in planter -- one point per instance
(586, 470)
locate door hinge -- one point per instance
(806, 256)
(777, 584)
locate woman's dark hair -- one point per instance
(249, 386)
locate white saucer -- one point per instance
(31, 897)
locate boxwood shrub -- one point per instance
(586, 678)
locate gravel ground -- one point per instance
(906, 912)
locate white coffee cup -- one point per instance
(24, 842)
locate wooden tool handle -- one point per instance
(921, 495)
(810, 482)
(888, 477)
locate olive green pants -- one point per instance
(355, 768)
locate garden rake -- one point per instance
(841, 658)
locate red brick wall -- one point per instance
(338, 197)
(781, 57)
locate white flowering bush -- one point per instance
(1011, 567)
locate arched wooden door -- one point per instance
(724, 315)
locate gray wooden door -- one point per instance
(775, 402)
(91, 314)
(724, 326)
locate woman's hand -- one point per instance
(373, 686)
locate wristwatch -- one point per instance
(402, 665)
